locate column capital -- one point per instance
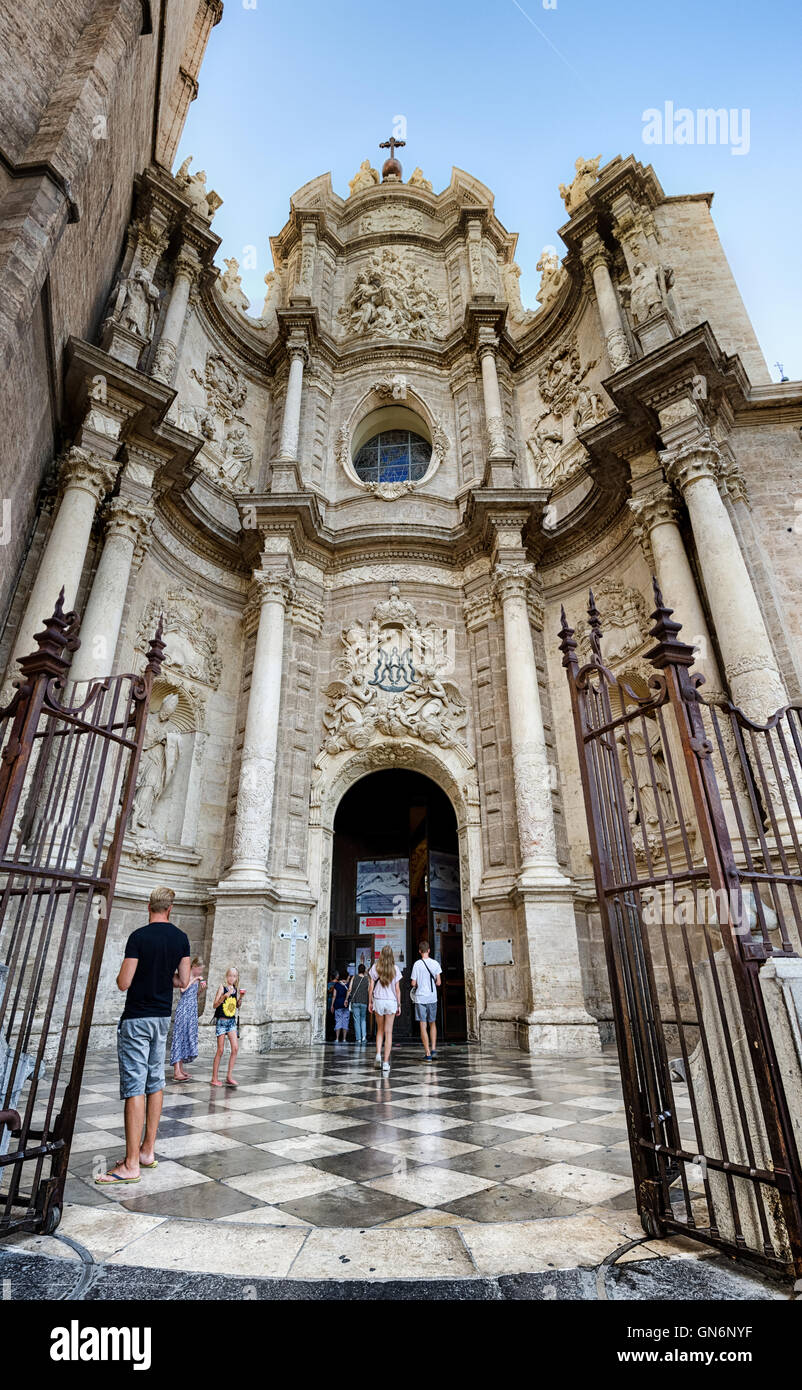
(512, 580)
(87, 471)
(594, 253)
(478, 609)
(271, 586)
(686, 464)
(128, 519)
(187, 263)
(487, 341)
(655, 507)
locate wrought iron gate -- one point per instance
(695, 821)
(67, 781)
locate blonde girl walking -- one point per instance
(226, 1003)
(384, 1000)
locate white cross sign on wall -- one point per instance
(293, 936)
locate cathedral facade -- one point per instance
(359, 509)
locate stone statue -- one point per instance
(587, 172)
(552, 275)
(231, 286)
(193, 187)
(545, 448)
(135, 304)
(418, 181)
(649, 287)
(237, 455)
(589, 409)
(157, 765)
(273, 292)
(510, 280)
(646, 770)
(364, 177)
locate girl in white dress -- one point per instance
(384, 1001)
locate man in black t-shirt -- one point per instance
(157, 960)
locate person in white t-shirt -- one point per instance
(425, 981)
(384, 1001)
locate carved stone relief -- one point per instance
(191, 643)
(390, 298)
(625, 621)
(227, 453)
(394, 683)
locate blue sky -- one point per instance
(513, 92)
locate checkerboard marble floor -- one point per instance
(317, 1165)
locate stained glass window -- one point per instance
(396, 456)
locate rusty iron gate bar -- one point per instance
(67, 781)
(695, 819)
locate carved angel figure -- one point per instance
(587, 172)
(432, 709)
(157, 765)
(417, 180)
(193, 186)
(589, 409)
(364, 177)
(552, 275)
(349, 720)
(231, 286)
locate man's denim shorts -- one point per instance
(426, 1013)
(141, 1044)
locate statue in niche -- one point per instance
(193, 186)
(545, 448)
(575, 193)
(589, 409)
(157, 765)
(237, 454)
(135, 304)
(645, 770)
(365, 177)
(649, 290)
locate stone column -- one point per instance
(127, 524)
(530, 763)
(187, 267)
(597, 263)
(271, 593)
(750, 667)
(291, 420)
(494, 415)
(555, 1018)
(656, 523)
(85, 479)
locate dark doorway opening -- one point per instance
(395, 878)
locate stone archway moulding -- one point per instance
(391, 390)
(334, 775)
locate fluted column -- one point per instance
(750, 667)
(127, 525)
(494, 415)
(597, 263)
(85, 479)
(187, 267)
(291, 420)
(656, 522)
(271, 592)
(530, 765)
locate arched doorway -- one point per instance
(396, 878)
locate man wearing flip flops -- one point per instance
(157, 959)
